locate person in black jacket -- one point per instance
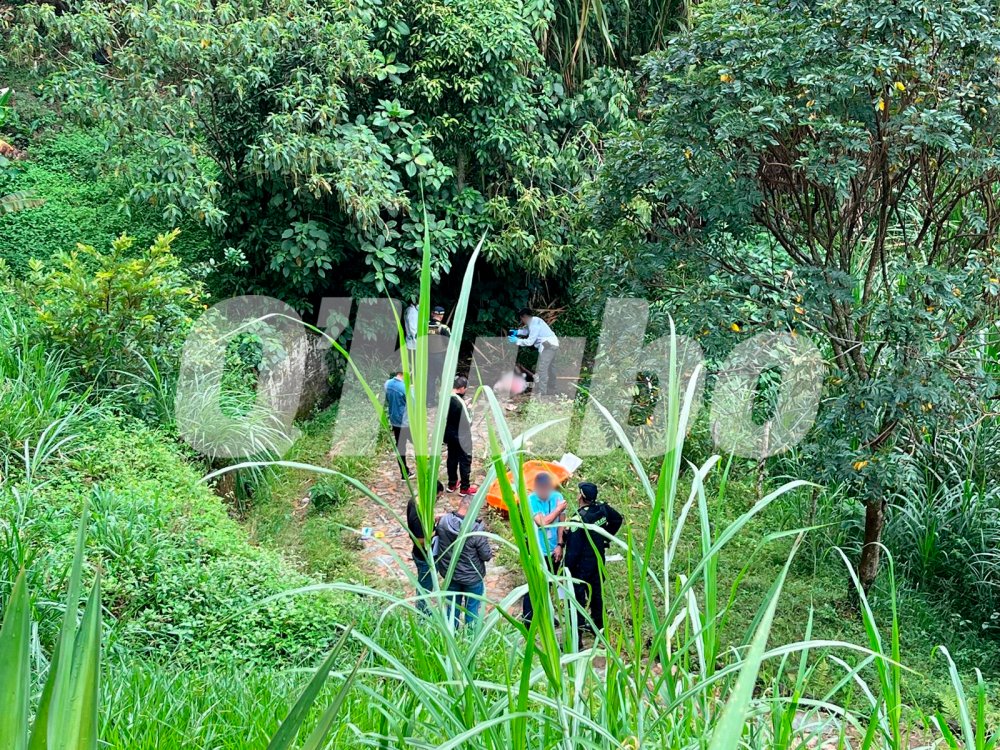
(473, 550)
(420, 546)
(585, 550)
(438, 336)
(458, 438)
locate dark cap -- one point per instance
(437, 309)
(589, 491)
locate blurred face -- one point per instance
(438, 316)
(543, 489)
(525, 319)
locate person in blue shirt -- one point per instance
(548, 507)
(395, 405)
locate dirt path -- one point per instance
(376, 557)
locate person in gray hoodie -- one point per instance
(472, 551)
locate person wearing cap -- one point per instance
(548, 508)
(586, 548)
(438, 335)
(537, 333)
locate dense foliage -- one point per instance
(312, 137)
(829, 168)
(826, 168)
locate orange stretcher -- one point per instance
(531, 469)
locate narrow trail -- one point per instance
(391, 540)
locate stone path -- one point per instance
(377, 559)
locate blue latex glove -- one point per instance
(512, 338)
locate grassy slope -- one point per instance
(180, 576)
(819, 581)
(317, 539)
(82, 202)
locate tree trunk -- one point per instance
(871, 552)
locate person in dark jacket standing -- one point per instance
(420, 547)
(473, 551)
(438, 336)
(458, 438)
(585, 551)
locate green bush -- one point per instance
(328, 493)
(114, 311)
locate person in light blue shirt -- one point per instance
(548, 507)
(399, 420)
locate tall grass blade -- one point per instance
(284, 738)
(729, 730)
(318, 737)
(15, 668)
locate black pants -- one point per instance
(435, 369)
(590, 586)
(527, 610)
(459, 462)
(402, 436)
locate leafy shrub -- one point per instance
(83, 204)
(328, 493)
(111, 310)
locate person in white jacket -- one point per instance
(536, 333)
(411, 317)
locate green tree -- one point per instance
(316, 137)
(832, 167)
(255, 116)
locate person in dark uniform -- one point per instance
(585, 551)
(438, 336)
(458, 438)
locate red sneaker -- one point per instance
(452, 487)
(472, 490)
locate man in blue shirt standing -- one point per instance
(548, 507)
(395, 405)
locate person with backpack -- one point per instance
(585, 550)
(472, 551)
